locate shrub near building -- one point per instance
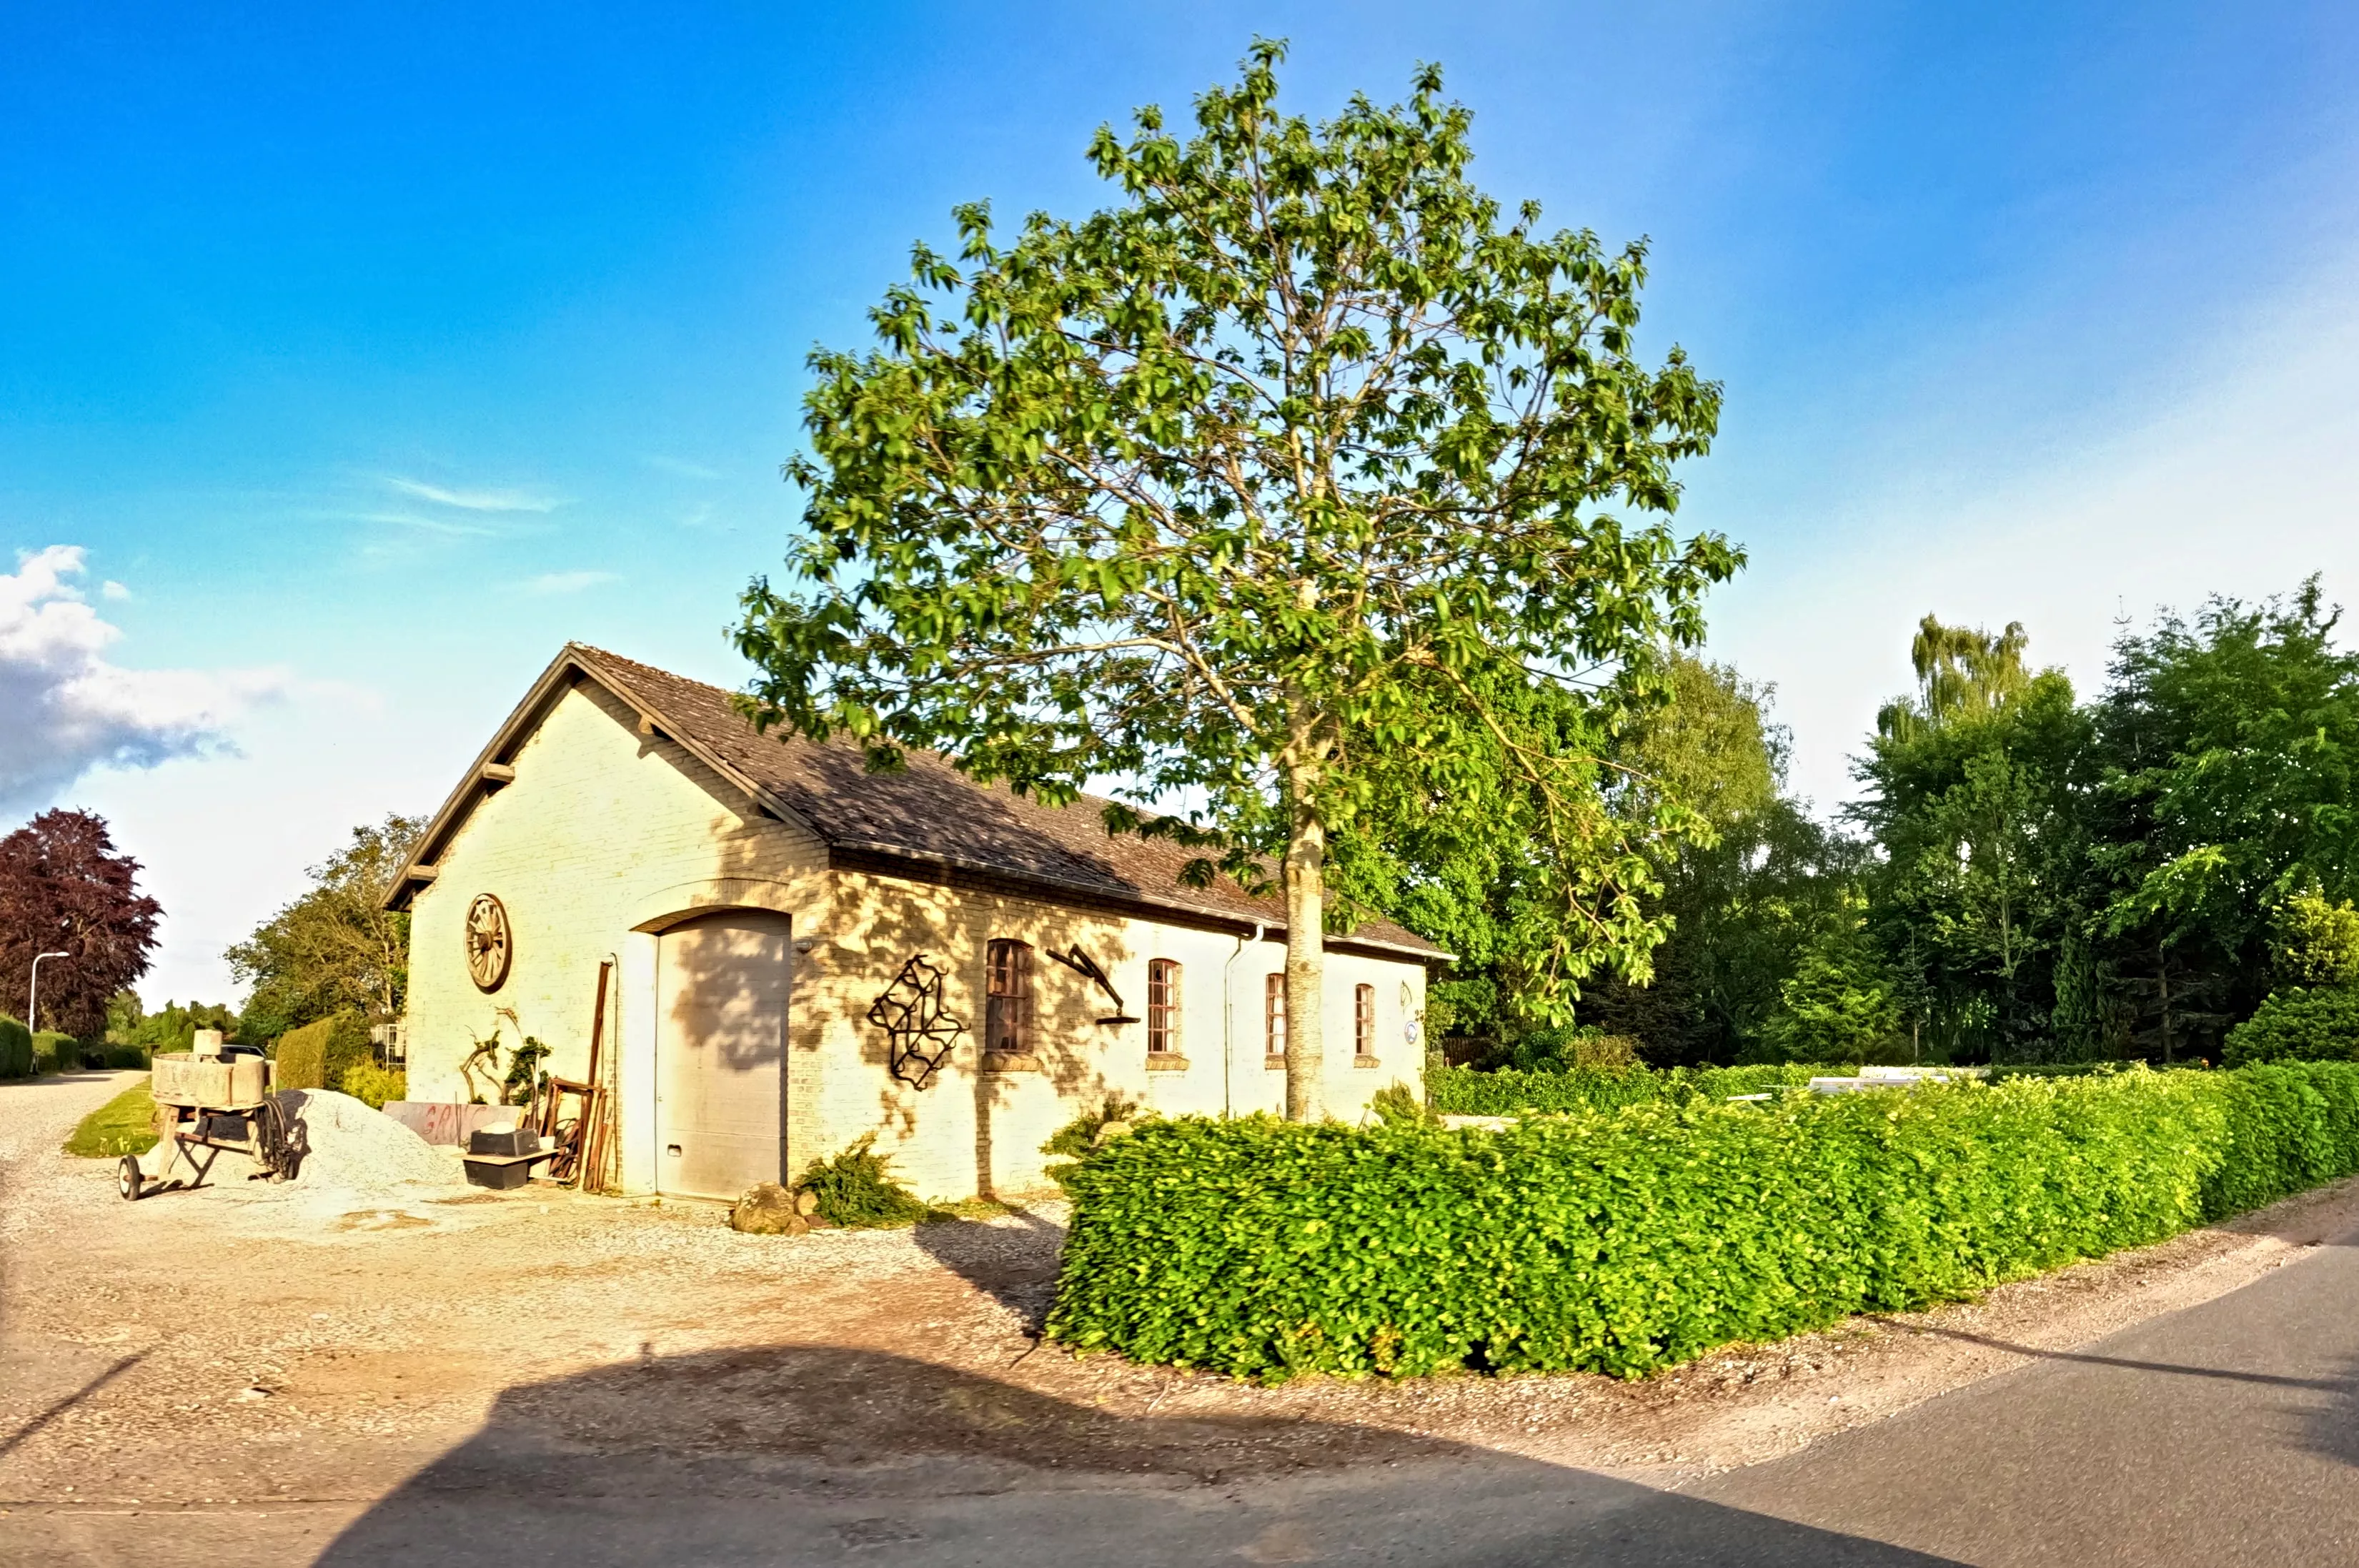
(16, 1049)
(1470, 1091)
(1626, 1241)
(2297, 1024)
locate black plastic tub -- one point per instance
(500, 1174)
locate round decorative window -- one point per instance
(489, 944)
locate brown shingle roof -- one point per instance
(930, 812)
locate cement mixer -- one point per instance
(211, 1098)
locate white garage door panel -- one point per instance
(720, 1001)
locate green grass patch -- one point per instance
(125, 1124)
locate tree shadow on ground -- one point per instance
(2331, 1426)
(1013, 1263)
(807, 1455)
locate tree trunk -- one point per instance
(1306, 963)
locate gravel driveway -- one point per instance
(251, 1369)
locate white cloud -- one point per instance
(568, 582)
(475, 500)
(65, 709)
(441, 526)
(114, 591)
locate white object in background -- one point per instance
(33, 1001)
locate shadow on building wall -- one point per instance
(807, 1455)
(873, 926)
(882, 925)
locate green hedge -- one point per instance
(2298, 1026)
(319, 1054)
(348, 1047)
(1469, 1092)
(1625, 1241)
(16, 1049)
(300, 1061)
(55, 1053)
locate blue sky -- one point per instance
(352, 358)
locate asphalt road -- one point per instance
(2225, 1435)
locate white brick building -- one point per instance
(755, 898)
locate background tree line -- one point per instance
(2026, 875)
(332, 952)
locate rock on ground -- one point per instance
(768, 1209)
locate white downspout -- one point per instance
(1229, 1011)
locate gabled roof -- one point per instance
(929, 814)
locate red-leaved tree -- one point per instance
(64, 889)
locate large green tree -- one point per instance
(336, 947)
(1977, 792)
(1744, 907)
(2230, 747)
(1301, 470)
(2066, 878)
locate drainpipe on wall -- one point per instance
(611, 1070)
(1229, 1010)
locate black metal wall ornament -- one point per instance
(1081, 964)
(920, 1029)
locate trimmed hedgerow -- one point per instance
(299, 1060)
(16, 1049)
(1468, 1092)
(1623, 1241)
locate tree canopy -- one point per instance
(336, 947)
(64, 889)
(2037, 876)
(1302, 485)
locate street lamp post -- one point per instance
(33, 1002)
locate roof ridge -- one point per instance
(947, 761)
(934, 811)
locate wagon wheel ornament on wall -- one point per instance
(919, 1029)
(489, 945)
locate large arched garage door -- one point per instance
(721, 1047)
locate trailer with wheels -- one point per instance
(206, 1104)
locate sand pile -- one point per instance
(355, 1149)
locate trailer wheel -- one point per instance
(126, 1178)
